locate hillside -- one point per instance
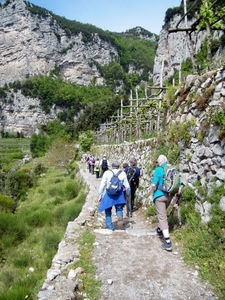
(53, 67)
(80, 52)
(59, 69)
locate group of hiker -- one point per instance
(125, 185)
(118, 187)
(96, 166)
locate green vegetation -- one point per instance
(131, 48)
(90, 285)
(12, 151)
(29, 238)
(193, 7)
(203, 243)
(219, 119)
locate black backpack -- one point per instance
(104, 164)
(131, 174)
(115, 185)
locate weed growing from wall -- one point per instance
(218, 118)
(90, 284)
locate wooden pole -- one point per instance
(160, 101)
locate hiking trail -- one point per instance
(131, 264)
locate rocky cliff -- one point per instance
(31, 44)
(176, 47)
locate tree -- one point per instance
(86, 139)
(61, 154)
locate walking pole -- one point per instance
(176, 206)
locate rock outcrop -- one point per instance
(31, 45)
(24, 115)
(175, 47)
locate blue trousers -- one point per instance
(108, 215)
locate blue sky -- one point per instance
(112, 15)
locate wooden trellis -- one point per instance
(128, 125)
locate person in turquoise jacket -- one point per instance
(162, 201)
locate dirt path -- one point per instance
(132, 266)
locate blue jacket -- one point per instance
(157, 180)
(109, 200)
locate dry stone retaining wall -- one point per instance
(202, 161)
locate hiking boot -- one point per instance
(120, 222)
(167, 246)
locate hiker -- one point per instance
(125, 165)
(104, 164)
(97, 168)
(133, 174)
(107, 201)
(91, 162)
(162, 200)
(87, 161)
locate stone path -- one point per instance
(129, 262)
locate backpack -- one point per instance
(130, 174)
(115, 185)
(171, 180)
(104, 164)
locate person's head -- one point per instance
(104, 156)
(133, 162)
(125, 165)
(115, 164)
(162, 159)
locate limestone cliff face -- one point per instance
(174, 48)
(24, 115)
(30, 45)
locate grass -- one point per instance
(12, 151)
(203, 244)
(90, 284)
(30, 237)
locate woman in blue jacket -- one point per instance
(108, 201)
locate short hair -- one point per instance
(125, 165)
(161, 159)
(133, 161)
(115, 164)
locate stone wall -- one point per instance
(202, 157)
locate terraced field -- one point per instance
(12, 150)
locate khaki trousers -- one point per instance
(161, 204)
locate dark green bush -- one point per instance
(39, 217)
(72, 190)
(51, 241)
(6, 203)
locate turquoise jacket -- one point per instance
(157, 180)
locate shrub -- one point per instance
(6, 203)
(72, 190)
(51, 241)
(55, 191)
(39, 217)
(151, 211)
(22, 260)
(71, 212)
(39, 169)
